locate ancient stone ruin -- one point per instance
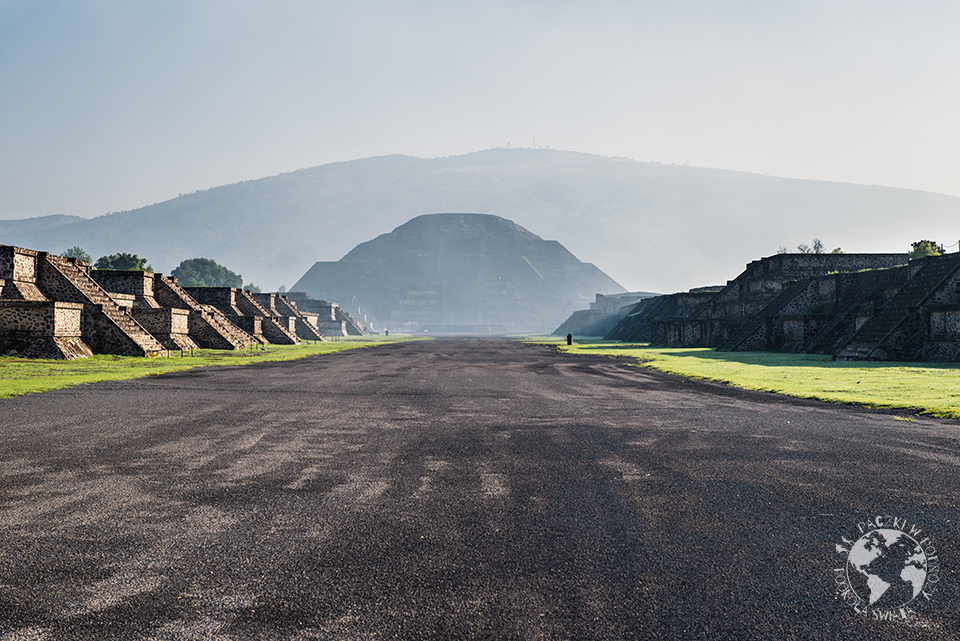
(55, 307)
(330, 318)
(471, 273)
(604, 314)
(853, 306)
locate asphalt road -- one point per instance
(456, 489)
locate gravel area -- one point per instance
(460, 488)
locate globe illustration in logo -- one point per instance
(887, 568)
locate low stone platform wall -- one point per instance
(41, 329)
(252, 325)
(138, 284)
(170, 326)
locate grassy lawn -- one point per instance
(23, 375)
(926, 388)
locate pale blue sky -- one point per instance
(112, 105)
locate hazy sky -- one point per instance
(107, 106)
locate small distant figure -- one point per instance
(386, 332)
(569, 339)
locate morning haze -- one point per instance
(181, 458)
(651, 227)
(113, 106)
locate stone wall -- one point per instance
(18, 274)
(107, 328)
(760, 284)
(280, 330)
(883, 309)
(40, 318)
(17, 263)
(209, 327)
(235, 306)
(128, 312)
(323, 309)
(138, 284)
(268, 301)
(945, 323)
(170, 326)
(223, 298)
(252, 325)
(41, 329)
(301, 325)
(124, 301)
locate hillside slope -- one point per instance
(649, 226)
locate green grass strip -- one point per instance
(925, 388)
(23, 375)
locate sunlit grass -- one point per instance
(22, 375)
(926, 388)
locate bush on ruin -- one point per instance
(923, 248)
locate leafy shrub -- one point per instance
(205, 272)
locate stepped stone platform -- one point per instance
(41, 329)
(654, 320)
(245, 312)
(41, 277)
(30, 325)
(920, 322)
(207, 325)
(853, 306)
(705, 318)
(603, 316)
(330, 318)
(56, 307)
(108, 329)
(819, 314)
(134, 290)
(298, 323)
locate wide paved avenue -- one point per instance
(458, 488)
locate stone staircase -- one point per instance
(273, 330)
(841, 318)
(867, 342)
(354, 328)
(634, 327)
(208, 326)
(744, 339)
(108, 329)
(304, 328)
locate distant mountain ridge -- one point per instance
(649, 226)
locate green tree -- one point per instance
(923, 248)
(205, 272)
(250, 287)
(77, 252)
(123, 262)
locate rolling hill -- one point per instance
(649, 226)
